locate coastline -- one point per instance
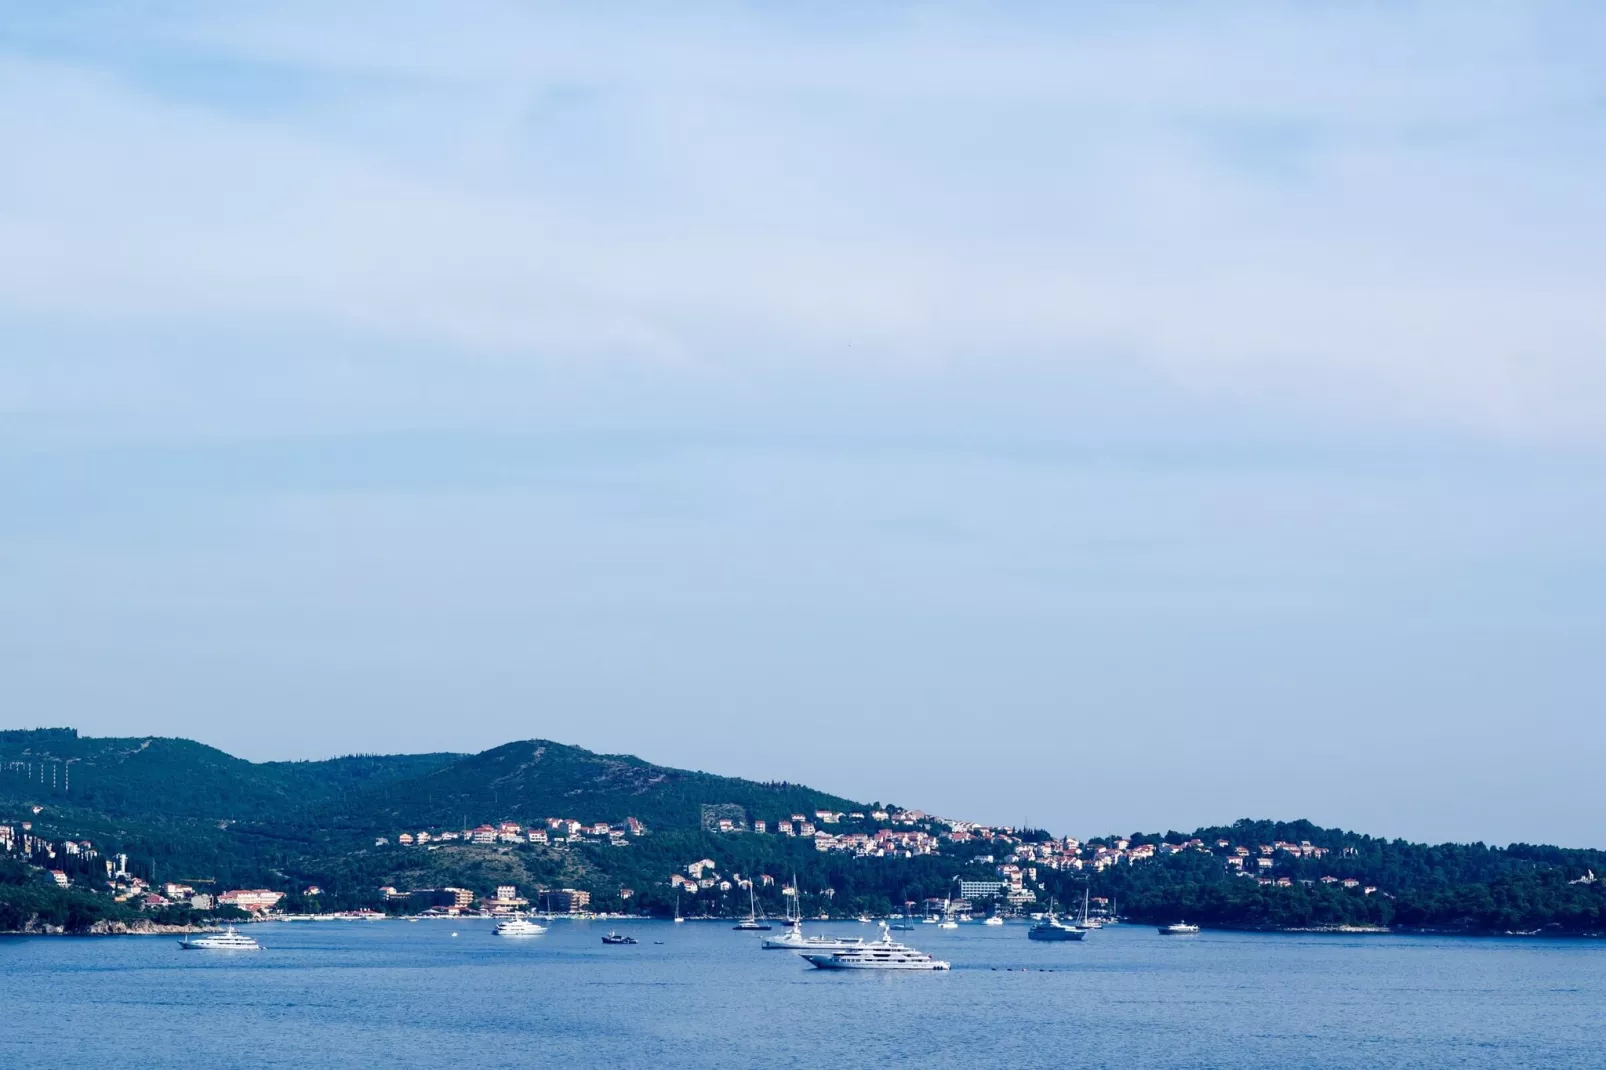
(105, 928)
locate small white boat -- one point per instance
(227, 940)
(518, 925)
(1181, 928)
(948, 923)
(882, 954)
(994, 920)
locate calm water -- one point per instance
(364, 994)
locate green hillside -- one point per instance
(184, 811)
(167, 779)
(535, 779)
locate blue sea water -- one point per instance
(397, 994)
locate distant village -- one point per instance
(868, 834)
(1011, 877)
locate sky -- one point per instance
(1107, 417)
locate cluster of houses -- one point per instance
(902, 840)
(76, 863)
(552, 830)
(455, 902)
(1258, 862)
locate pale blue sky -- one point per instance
(1117, 418)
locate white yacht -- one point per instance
(794, 940)
(1181, 928)
(994, 920)
(227, 940)
(948, 923)
(517, 925)
(882, 954)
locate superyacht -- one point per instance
(227, 940)
(882, 954)
(794, 940)
(518, 925)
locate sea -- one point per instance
(339, 994)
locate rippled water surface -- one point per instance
(366, 994)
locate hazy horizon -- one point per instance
(1117, 419)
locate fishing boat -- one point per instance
(617, 938)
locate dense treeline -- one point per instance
(1450, 887)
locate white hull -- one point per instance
(228, 940)
(882, 954)
(831, 962)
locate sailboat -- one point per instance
(1051, 928)
(1086, 923)
(678, 918)
(751, 924)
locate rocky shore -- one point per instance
(104, 927)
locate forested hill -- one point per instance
(151, 777)
(534, 779)
(1297, 874)
(154, 779)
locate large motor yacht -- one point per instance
(882, 954)
(227, 940)
(517, 925)
(1051, 928)
(794, 940)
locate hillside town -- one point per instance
(1003, 865)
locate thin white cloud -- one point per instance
(1395, 210)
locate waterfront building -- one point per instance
(569, 901)
(254, 900)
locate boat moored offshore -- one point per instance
(1051, 928)
(794, 940)
(518, 925)
(227, 940)
(882, 954)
